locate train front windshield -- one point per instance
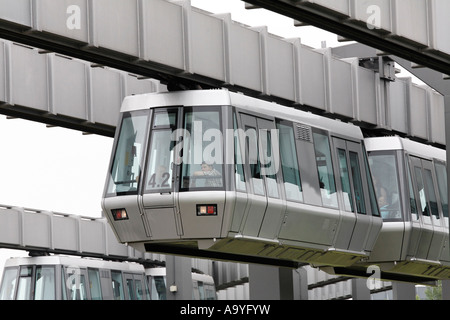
(191, 141)
(128, 159)
(385, 174)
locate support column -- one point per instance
(301, 284)
(270, 283)
(178, 278)
(360, 291)
(445, 289)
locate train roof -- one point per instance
(218, 97)
(75, 262)
(412, 147)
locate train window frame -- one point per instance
(442, 184)
(161, 181)
(184, 178)
(346, 185)
(45, 278)
(24, 292)
(375, 209)
(432, 194)
(295, 161)
(94, 273)
(413, 201)
(358, 185)
(329, 196)
(121, 289)
(239, 156)
(111, 184)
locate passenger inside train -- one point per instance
(384, 168)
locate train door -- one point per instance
(356, 213)
(265, 207)
(423, 206)
(135, 286)
(159, 193)
(434, 211)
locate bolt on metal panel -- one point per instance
(341, 91)
(440, 24)
(366, 95)
(36, 229)
(410, 21)
(418, 124)
(65, 18)
(114, 248)
(280, 68)
(106, 95)
(244, 45)
(162, 34)
(3, 71)
(66, 233)
(11, 226)
(437, 117)
(116, 26)
(92, 236)
(16, 11)
(69, 86)
(29, 78)
(312, 72)
(397, 111)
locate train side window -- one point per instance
(412, 197)
(325, 169)
(421, 190)
(158, 288)
(24, 286)
(94, 284)
(77, 287)
(131, 294)
(441, 175)
(202, 150)
(159, 169)
(45, 288)
(289, 163)
(9, 282)
(117, 285)
(345, 180)
(357, 183)
(238, 159)
(431, 193)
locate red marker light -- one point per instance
(206, 210)
(119, 214)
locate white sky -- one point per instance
(64, 171)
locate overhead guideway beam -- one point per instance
(413, 30)
(167, 41)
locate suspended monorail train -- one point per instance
(72, 278)
(411, 186)
(221, 175)
(58, 277)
